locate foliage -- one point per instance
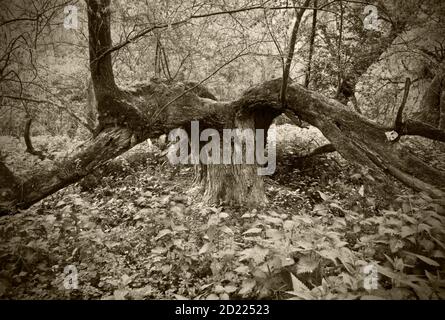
(139, 235)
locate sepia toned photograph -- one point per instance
(229, 150)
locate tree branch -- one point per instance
(311, 46)
(399, 117)
(79, 120)
(291, 50)
(148, 30)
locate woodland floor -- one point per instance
(140, 232)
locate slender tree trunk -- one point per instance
(91, 106)
(291, 50)
(339, 49)
(27, 136)
(311, 46)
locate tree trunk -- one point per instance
(91, 106)
(234, 184)
(94, 153)
(27, 136)
(432, 108)
(363, 141)
(239, 184)
(307, 78)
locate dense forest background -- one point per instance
(350, 215)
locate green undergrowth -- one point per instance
(139, 232)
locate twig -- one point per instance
(52, 103)
(398, 123)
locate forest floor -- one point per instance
(139, 231)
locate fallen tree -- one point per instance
(130, 117)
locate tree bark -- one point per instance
(238, 184)
(233, 185)
(363, 141)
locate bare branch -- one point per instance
(150, 29)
